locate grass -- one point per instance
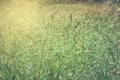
(59, 42)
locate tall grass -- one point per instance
(59, 42)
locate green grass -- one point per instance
(59, 42)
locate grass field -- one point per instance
(59, 42)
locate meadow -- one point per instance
(59, 42)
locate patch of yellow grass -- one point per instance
(19, 19)
(21, 13)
